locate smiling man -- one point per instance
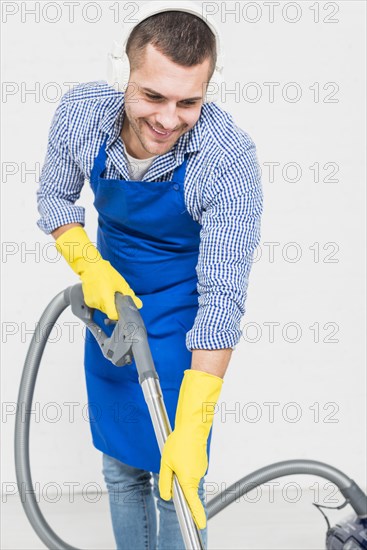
(178, 195)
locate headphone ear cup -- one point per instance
(118, 71)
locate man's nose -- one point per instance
(167, 117)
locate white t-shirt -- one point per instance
(138, 167)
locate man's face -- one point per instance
(162, 102)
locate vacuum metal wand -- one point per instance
(154, 399)
(129, 339)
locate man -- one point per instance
(178, 195)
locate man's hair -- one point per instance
(182, 37)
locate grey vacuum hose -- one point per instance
(350, 490)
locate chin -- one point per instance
(157, 148)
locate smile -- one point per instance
(158, 133)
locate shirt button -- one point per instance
(176, 187)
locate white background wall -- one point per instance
(315, 222)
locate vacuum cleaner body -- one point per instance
(349, 534)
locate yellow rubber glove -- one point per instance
(184, 452)
(99, 279)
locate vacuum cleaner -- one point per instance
(350, 534)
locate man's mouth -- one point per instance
(158, 133)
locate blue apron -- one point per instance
(146, 232)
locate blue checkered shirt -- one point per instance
(223, 193)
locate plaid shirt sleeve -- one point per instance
(229, 235)
(61, 179)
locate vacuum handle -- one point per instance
(129, 337)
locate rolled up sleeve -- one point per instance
(61, 179)
(229, 235)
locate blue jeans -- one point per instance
(133, 511)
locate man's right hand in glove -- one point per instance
(99, 279)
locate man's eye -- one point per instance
(157, 97)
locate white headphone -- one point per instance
(118, 62)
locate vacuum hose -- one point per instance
(349, 489)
